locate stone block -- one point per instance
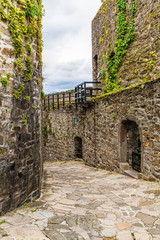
(123, 226)
(124, 166)
(142, 236)
(124, 235)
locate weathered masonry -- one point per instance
(112, 129)
(137, 49)
(20, 108)
(120, 129)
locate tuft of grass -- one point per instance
(25, 204)
(3, 221)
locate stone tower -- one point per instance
(20, 103)
(125, 43)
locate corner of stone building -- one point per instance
(20, 112)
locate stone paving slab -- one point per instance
(83, 203)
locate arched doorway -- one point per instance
(78, 147)
(130, 144)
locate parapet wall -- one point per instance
(100, 127)
(59, 133)
(20, 106)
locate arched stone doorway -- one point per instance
(78, 147)
(130, 145)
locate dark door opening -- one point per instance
(78, 147)
(131, 144)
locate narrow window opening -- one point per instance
(95, 67)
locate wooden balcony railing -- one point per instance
(83, 93)
(56, 99)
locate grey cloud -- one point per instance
(67, 76)
(66, 36)
(59, 33)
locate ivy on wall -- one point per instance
(125, 35)
(4, 80)
(23, 18)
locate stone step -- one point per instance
(131, 173)
(78, 159)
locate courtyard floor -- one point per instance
(82, 203)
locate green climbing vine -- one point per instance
(125, 35)
(4, 80)
(47, 129)
(23, 18)
(17, 93)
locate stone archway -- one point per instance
(78, 147)
(130, 145)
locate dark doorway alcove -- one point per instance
(78, 147)
(130, 144)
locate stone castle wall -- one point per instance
(120, 130)
(100, 129)
(141, 62)
(20, 123)
(58, 144)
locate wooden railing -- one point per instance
(56, 99)
(84, 93)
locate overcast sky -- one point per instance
(67, 43)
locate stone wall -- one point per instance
(101, 130)
(20, 119)
(141, 62)
(58, 142)
(120, 130)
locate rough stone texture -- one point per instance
(125, 126)
(19, 144)
(142, 60)
(100, 129)
(82, 203)
(59, 122)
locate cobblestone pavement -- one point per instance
(82, 203)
